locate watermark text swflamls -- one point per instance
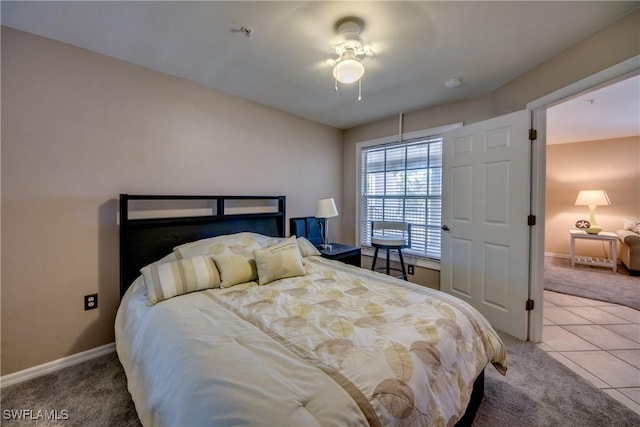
(36, 415)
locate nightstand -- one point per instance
(603, 236)
(342, 253)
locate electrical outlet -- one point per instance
(90, 302)
(410, 269)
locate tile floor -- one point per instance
(598, 340)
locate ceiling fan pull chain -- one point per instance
(336, 85)
(360, 89)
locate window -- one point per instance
(403, 182)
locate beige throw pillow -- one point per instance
(235, 269)
(279, 261)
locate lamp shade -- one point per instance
(326, 208)
(348, 71)
(593, 197)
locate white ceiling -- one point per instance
(609, 112)
(284, 64)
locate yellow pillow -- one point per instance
(170, 279)
(279, 261)
(235, 269)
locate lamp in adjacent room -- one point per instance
(593, 198)
(326, 209)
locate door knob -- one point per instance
(445, 227)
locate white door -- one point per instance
(485, 205)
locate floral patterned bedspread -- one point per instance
(336, 346)
(406, 354)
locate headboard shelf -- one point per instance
(145, 240)
(194, 197)
(151, 222)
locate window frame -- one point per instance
(408, 137)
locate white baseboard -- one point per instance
(55, 365)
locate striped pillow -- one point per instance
(182, 276)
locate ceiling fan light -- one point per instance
(348, 71)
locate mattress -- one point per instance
(335, 346)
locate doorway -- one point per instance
(540, 109)
(588, 325)
(592, 150)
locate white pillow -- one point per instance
(306, 247)
(229, 244)
(630, 223)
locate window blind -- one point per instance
(403, 182)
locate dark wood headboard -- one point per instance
(143, 241)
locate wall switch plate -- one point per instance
(90, 302)
(410, 269)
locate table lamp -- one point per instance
(326, 209)
(593, 198)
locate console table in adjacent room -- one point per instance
(603, 236)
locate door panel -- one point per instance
(461, 283)
(463, 181)
(497, 190)
(485, 251)
(496, 275)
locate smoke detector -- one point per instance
(453, 82)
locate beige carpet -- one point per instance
(597, 283)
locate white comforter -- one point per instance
(339, 346)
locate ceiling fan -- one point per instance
(348, 67)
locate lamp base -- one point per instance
(594, 229)
(326, 246)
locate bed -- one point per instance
(233, 324)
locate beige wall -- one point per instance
(78, 128)
(604, 49)
(421, 276)
(612, 165)
(610, 46)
